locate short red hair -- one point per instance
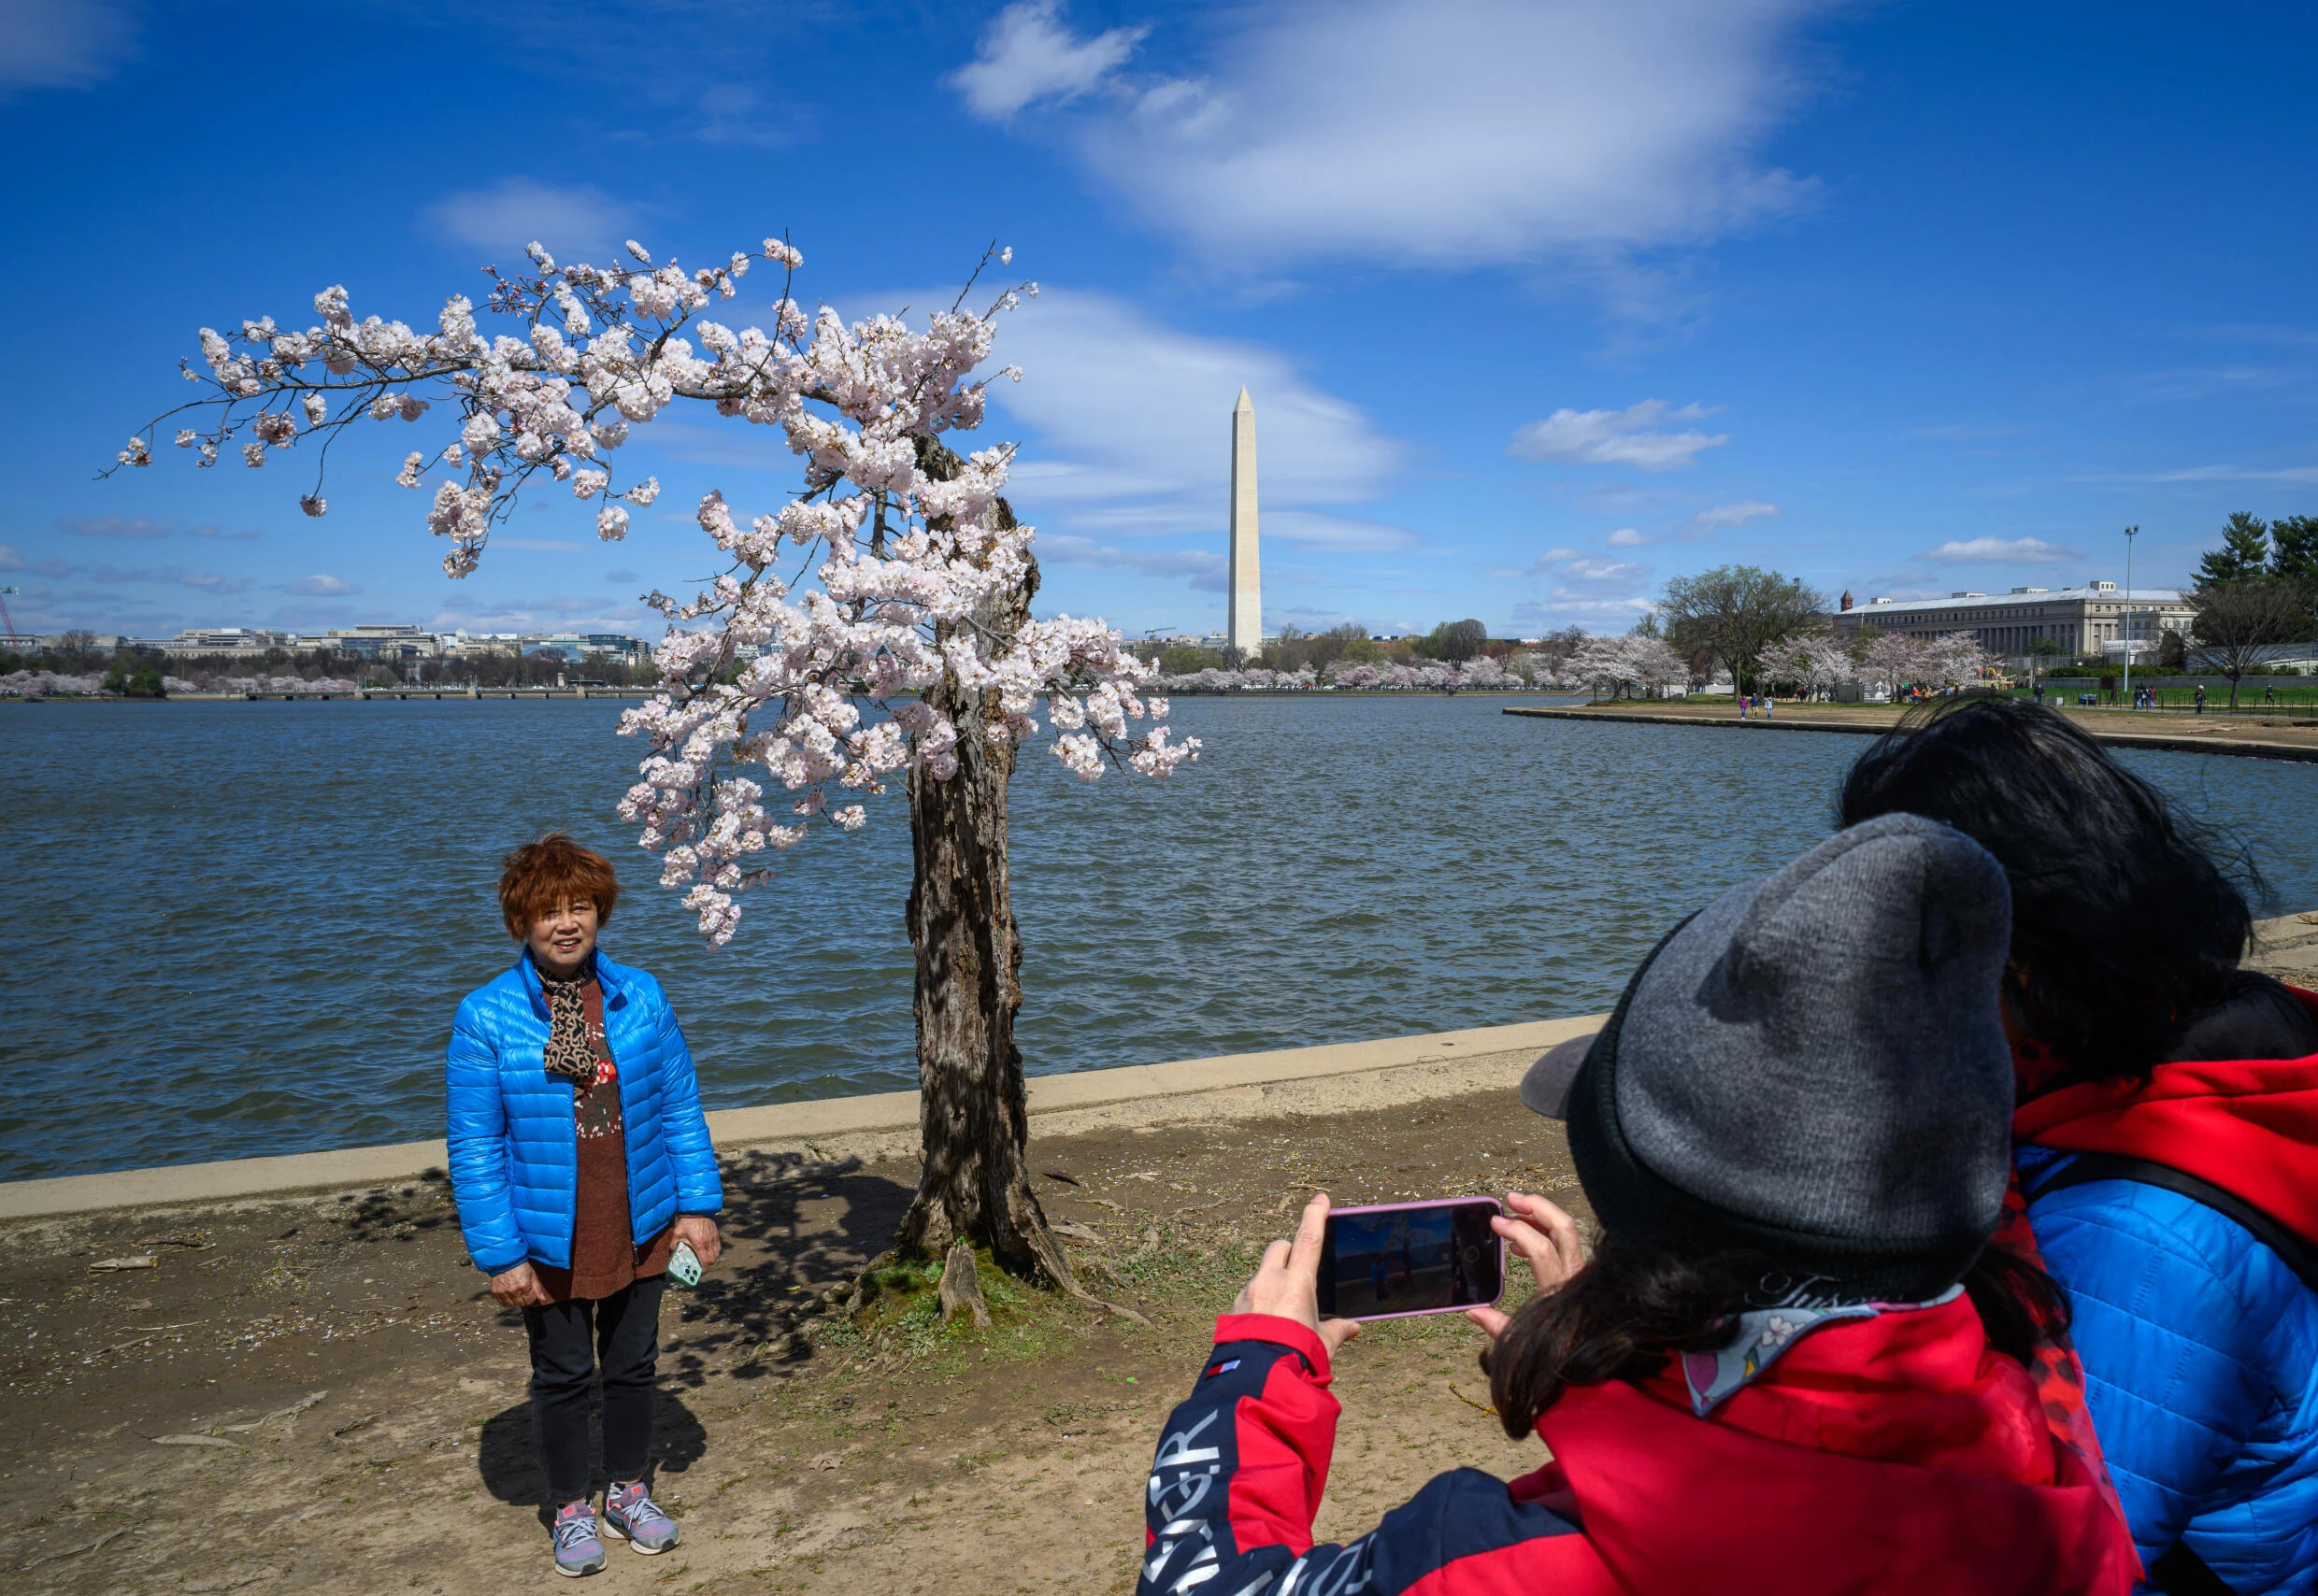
(541, 875)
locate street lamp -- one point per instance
(2131, 534)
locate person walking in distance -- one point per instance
(581, 1166)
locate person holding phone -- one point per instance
(1791, 1363)
(583, 1173)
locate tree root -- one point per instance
(962, 1288)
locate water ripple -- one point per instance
(242, 928)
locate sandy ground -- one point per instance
(2296, 728)
(317, 1395)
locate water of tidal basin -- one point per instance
(234, 929)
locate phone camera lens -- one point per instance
(1472, 1254)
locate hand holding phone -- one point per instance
(1399, 1260)
(1548, 1240)
(684, 1266)
(1286, 1283)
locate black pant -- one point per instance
(567, 1341)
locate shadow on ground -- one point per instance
(509, 1466)
(793, 1228)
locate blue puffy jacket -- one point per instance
(514, 1153)
(2200, 1352)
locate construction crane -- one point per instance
(8, 627)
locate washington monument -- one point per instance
(1243, 633)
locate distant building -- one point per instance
(2088, 620)
(574, 647)
(383, 642)
(226, 643)
(477, 645)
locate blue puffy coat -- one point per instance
(2200, 1352)
(514, 1146)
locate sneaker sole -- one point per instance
(608, 1528)
(595, 1567)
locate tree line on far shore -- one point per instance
(1762, 631)
(77, 665)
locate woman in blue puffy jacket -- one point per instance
(581, 1162)
(2166, 1135)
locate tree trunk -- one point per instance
(974, 1117)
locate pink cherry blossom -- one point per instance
(809, 660)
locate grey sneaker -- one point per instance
(579, 1548)
(631, 1514)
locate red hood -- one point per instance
(1890, 1454)
(2249, 1126)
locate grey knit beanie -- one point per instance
(1814, 1068)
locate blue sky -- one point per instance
(1540, 304)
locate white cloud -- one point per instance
(561, 612)
(2231, 474)
(60, 44)
(1734, 514)
(1027, 55)
(1133, 425)
(1596, 572)
(1204, 567)
(1629, 537)
(568, 220)
(2001, 551)
(137, 527)
(1436, 132)
(1532, 617)
(1343, 535)
(321, 587)
(1618, 437)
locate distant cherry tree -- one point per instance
(1627, 662)
(1813, 661)
(873, 627)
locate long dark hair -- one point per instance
(2123, 925)
(1638, 1301)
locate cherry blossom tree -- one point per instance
(1892, 658)
(874, 628)
(1955, 659)
(1813, 661)
(1625, 663)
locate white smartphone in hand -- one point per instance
(684, 1265)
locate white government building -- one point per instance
(2093, 620)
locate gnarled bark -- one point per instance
(974, 1115)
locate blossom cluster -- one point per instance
(1955, 659)
(856, 631)
(1627, 662)
(40, 684)
(1521, 672)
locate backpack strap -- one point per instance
(2293, 1251)
(2183, 1573)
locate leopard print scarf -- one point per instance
(571, 1051)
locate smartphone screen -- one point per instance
(1411, 1258)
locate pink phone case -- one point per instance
(1494, 1206)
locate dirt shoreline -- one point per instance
(802, 1455)
(314, 1393)
(2281, 735)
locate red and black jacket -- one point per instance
(1890, 1454)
